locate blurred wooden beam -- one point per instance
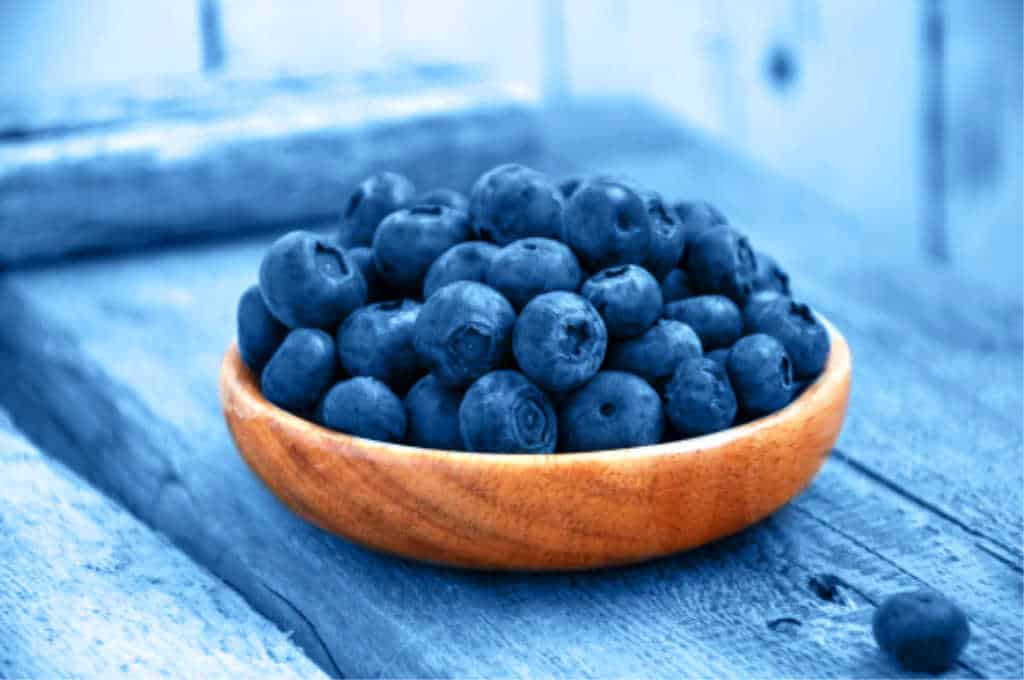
(555, 76)
(211, 35)
(933, 130)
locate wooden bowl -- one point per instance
(538, 512)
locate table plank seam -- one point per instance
(334, 671)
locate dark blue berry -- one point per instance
(699, 399)
(408, 241)
(922, 630)
(503, 412)
(654, 355)
(377, 197)
(606, 224)
(627, 297)
(696, 217)
(721, 262)
(433, 412)
(768, 275)
(715, 318)
(363, 407)
(376, 287)
(449, 198)
(377, 341)
(668, 239)
(524, 269)
(467, 261)
(758, 304)
(675, 286)
(720, 356)
(464, 330)
(794, 325)
(559, 341)
(570, 184)
(259, 333)
(761, 374)
(615, 410)
(512, 202)
(300, 371)
(308, 281)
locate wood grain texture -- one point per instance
(87, 591)
(538, 512)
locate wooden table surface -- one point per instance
(111, 365)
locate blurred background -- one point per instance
(906, 114)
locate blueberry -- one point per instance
(467, 261)
(654, 355)
(512, 202)
(570, 184)
(720, 356)
(667, 237)
(259, 333)
(376, 287)
(627, 297)
(433, 412)
(503, 412)
(449, 198)
(768, 275)
(308, 281)
(794, 325)
(715, 318)
(922, 630)
(559, 341)
(300, 371)
(761, 374)
(675, 286)
(377, 341)
(377, 197)
(699, 399)
(720, 261)
(758, 304)
(696, 217)
(607, 224)
(408, 241)
(363, 407)
(464, 330)
(524, 269)
(615, 410)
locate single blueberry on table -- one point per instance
(922, 630)
(668, 238)
(503, 412)
(300, 371)
(720, 356)
(363, 407)
(524, 269)
(559, 341)
(761, 374)
(615, 410)
(377, 197)
(699, 399)
(468, 261)
(433, 413)
(408, 241)
(721, 262)
(259, 333)
(627, 297)
(715, 318)
(449, 198)
(463, 331)
(654, 355)
(768, 275)
(675, 286)
(377, 341)
(308, 281)
(376, 287)
(794, 325)
(606, 224)
(512, 202)
(758, 304)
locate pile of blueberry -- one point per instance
(532, 317)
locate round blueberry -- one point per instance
(300, 371)
(615, 410)
(761, 374)
(922, 630)
(377, 341)
(377, 197)
(464, 330)
(720, 261)
(715, 318)
(758, 304)
(449, 198)
(654, 355)
(675, 286)
(467, 261)
(376, 286)
(667, 237)
(503, 412)
(720, 356)
(524, 269)
(308, 281)
(696, 217)
(699, 399)
(559, 341)
(607, 224)
(627, 297)
(570, 184)
(433, 412)
(259, 333)
(408, 241)
(512, 202)
(363, 407)
(794, 325)
(768, 275)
